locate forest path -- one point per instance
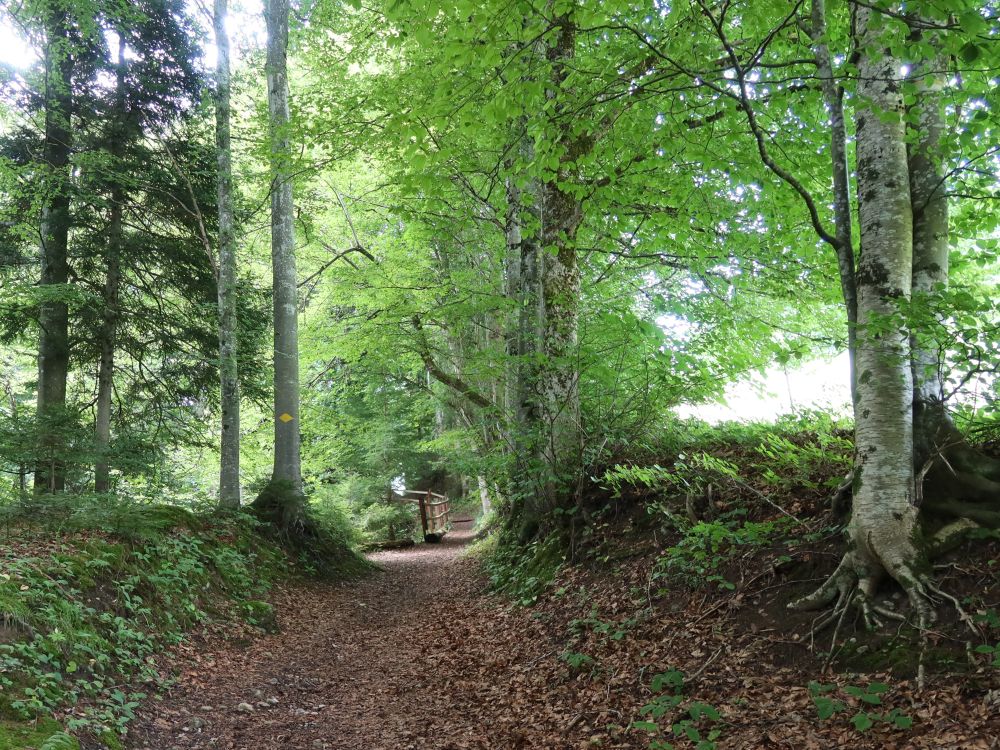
(414, 656)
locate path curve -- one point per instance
(415, 656)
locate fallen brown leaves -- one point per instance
(421, 657)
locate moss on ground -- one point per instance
(34, 735)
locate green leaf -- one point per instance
(698, 710)
(902, 721)
(862, 722)
(970, 52)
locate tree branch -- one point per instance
(453, 382)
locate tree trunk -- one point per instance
(53, 345)
(108, 341)
(512, 291)
(934, 431)
(966, 478)
(22, 470)
(560, 283)
(883, 522)
(833, 96)
(229, 386)
(529, 315)
(484, 495)
(524, 337)
(883, 527)
(287, 459)
(109, 323)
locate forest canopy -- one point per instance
(506, 241)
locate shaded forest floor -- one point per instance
(419, 655)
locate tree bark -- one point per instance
(965, 478)
(529, 310)
(109, 323)
(108, 342)
(287, 457)
(512, 291)
(884, 523)
(229, 386)
(53, 345)
(484, 494)
(561, 215)
(833, 96)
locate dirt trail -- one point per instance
(412, 657)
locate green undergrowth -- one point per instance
(804, 454)
(91, 592)
(321, 542)
(521, 572)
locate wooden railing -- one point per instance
(435, 513)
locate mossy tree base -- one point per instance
(287, 517)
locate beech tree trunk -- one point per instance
(961, 481)
(883, 522)
(287, 458)
(833, 96)
(512, 291)
(229, 449)
(884, 528)
(930, 259)
(529, 314)
(561, 215)
(53, 345)
(524, 337)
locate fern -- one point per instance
(60, 741)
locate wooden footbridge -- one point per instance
(435, 512)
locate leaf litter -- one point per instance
(421, 656)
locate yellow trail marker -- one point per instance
(286, 417)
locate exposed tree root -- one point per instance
(853, 584)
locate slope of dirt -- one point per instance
(418, 657)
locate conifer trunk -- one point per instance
(53, 345)
(229, 449)
(108, 342)
(287, 459)
(109, 324)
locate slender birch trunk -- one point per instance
(229, 448)
(287, 458)
(53, 345)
